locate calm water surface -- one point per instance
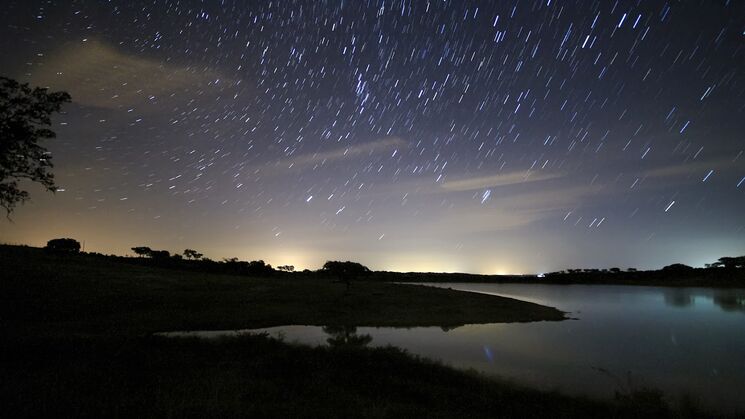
(679, 340)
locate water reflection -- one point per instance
(725, 299)
(730, 302)
(345, 336)
(679, 297)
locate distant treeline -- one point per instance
(446, 277)
(193, 260)
(726, 271)
(691, 277)
(189, 259)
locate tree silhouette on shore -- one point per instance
(63, 245)
(345, 271)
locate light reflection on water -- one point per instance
(679, 340)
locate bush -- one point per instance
(677, 267)
(63, 245)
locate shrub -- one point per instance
(63, 245)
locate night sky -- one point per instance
(472, 136)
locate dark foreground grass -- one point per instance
(255, 376)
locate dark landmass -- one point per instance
(78, 341)
(46, 293)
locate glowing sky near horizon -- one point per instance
(414, 135)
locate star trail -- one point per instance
(414, 135)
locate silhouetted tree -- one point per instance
(142, 250)
(677, 267)
(259, 268)
(730, 262)
(160, 254)
(63, 245)
(254, 268)
(345, 271)
(24, 120)
(615, 270)
(192, 254)
(286, 268)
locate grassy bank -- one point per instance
(48, 294)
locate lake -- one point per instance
(679, 340)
